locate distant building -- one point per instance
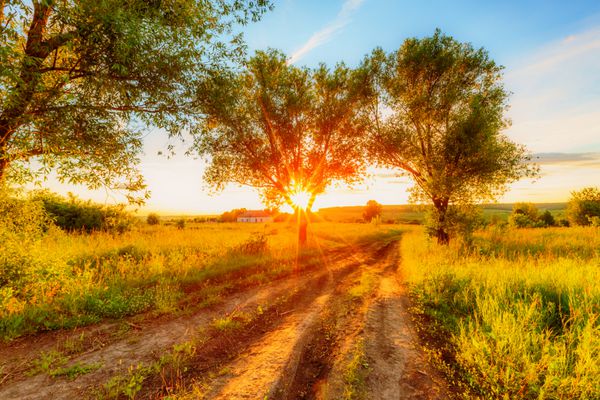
(255, 216)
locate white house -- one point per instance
(255, 216)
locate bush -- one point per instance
(583, 206)
(372, 210)
(255, 245)
(152, 219)
(525, 215)
(180, 223)
(548, 219)
(73, 214)
(22, 224)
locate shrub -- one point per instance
(583, 206)
(152, 219)
(180, 223)
(22, 224)
(372, 210)
(73, 214)
(547, 219)
(520, 221)
(525, 215)
(255, 245)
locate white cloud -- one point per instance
(325, 34)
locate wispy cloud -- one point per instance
(556, 101)
(591, 160)
(342, 19)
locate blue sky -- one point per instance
(551, 51)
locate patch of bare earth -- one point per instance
(305, 345)
(113, 352)
(398, 367)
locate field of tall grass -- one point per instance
(54, 279)
(517, 315)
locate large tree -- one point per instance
(77, 77)
(288, 131)
(441, 121)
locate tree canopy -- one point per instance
(283, 129)
(440, 120)
(583, 207)
(77, 79)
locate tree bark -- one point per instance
(303, 221)
(36, 50)
(441, 232)
(302, 229)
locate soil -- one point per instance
(299, 348)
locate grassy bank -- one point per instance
(516, 317)
(65, 280)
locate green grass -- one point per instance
(66, 280)
(518, 315)
(411, 214)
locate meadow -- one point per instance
(415, 214)
(63, 280)
(516, 315)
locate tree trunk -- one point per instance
(441, 231)
(442, 236)
(303, 221)
(3, 164)
(302, 229)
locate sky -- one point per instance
(550, 50)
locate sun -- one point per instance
(301, 199)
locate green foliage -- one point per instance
(284, 129)
(22, 225)
(372, 209)
(458, 222)
(75, 370)
(583, 206)
(73, 214)
(526, 215)
(152, 219)
(547, 219)
(447, 107)
(77, 78)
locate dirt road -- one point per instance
(337, 331)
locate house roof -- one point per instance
(255, 214)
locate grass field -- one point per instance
(517, 316)
(412, 214)
(66, 280)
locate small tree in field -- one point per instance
(372, 210)
(152, 219)
(445, 104)
(287, 131)
(77, 77)
(583, 206)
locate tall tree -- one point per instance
(440, 120)
(76, 77)
(288, 131)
